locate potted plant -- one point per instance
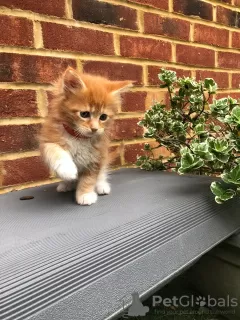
(201, 133)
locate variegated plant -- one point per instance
(202, 137)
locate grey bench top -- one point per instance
(62, 261)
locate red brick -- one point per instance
(15, 138)
(161, 4)
(16, 31)
(105, 13)
(195, 56)
(126, 129)
(53, 7)
(220, 77)
(228, 17)
(26, 68)
(18, 103)
(115, 71)
(24, 170)
(229, 60)
(132, 151)
(236, 80)
(115, 158)
(234, 95)
(173, 28)
(211, 35)
(160, 151)
(154, 71)
(194, 8)
(60, 37)
(157, 97)
(145, 48)
(236, 39)
(134, 101)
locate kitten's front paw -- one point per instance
(103, 188)
(67, 170)
(66, 186)
(86, 199)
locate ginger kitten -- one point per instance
(74, 139)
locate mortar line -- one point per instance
(192, 27)
(116, 43)
(140, 21)
(79, 65)
(42, 103)
(20, 121)
(37, 34)
(68, 9)
(20, 155)
(145, 75)
(230, 39)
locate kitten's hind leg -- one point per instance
(65, 186)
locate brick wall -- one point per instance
(120, 39)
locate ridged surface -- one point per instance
(64, 248)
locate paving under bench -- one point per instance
(62, 261)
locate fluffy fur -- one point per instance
(80, 105)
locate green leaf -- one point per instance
(217, 189)
(218, 200)
(236, 114)
(189, 84)
(189, 162)
(233, 176)
(228, 194)
(168, 77)
(222, 157)
(200, 128)
(210, 85)
(220, 106)
(219, 145)
(221, 193)
(201, 149)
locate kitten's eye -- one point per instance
(103, 117)
(85, 114)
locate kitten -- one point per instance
(74, 139)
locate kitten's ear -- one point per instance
(118, 87)
(72, 80)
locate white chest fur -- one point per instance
(82, 151)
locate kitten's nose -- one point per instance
(94, 129)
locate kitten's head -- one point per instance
(88, 103)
